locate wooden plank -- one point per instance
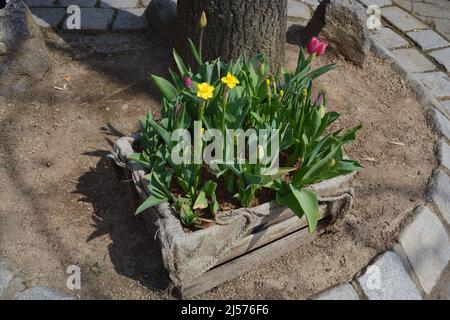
(281, 214)
(273, 232)
(251, 260)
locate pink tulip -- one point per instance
(188, 82)
(316, 46)
(319, 100)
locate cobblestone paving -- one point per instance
(435, 13)
(96, 15)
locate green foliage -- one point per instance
(309, 153)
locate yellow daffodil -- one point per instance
(205, 91)
(230, 80)
(281, 93)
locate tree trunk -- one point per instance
(235, 27)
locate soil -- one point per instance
(61, 203)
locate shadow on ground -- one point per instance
(134, 252)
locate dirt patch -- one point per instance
(61, 203)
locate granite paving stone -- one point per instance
(442, 56)
(387, 279)
(414, 60)
(427, 39)
(389, 38)
(427, 246)
(402, 19)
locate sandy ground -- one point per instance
(61, 204)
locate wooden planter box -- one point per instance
(243, 239)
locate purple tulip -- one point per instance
(319, 100)
(188, 82)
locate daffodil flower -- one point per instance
(230, 80)
(205, 91)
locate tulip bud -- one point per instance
(203, 20)
(260, 152)
(331, 163)
(322, 111)
(188, 82)
(320, 99)
(304, 95)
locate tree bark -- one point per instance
(235, 27)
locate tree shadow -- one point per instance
(134, 252)
(144, 50)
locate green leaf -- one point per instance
(167, 89)
(164, 134)
(351, 134)
(194, 52)
(180, 64)
(317, 166)
(206, 72)
(201, 202)
(307, 200)
(176, 80)
(318, 72)
(150, 202)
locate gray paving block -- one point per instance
(95, 19)
(380, 3)
(402, 19)
(312, 3)
(130, 19)
(427, 39)
(444, 154)
(390, 39)
(442, 56)
(414, 60)
(440, 185)
(80, 3)
(120, 4)
(41, 293)
(427, 247)
(437, 82)
(48, 17)
(446, 105)
(387, 279)
(442, 124)
(405, 4)
(342, 292)
(40, 3)
(6, 276)
(298, 10)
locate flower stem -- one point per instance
(200, 45)
(224, 103)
